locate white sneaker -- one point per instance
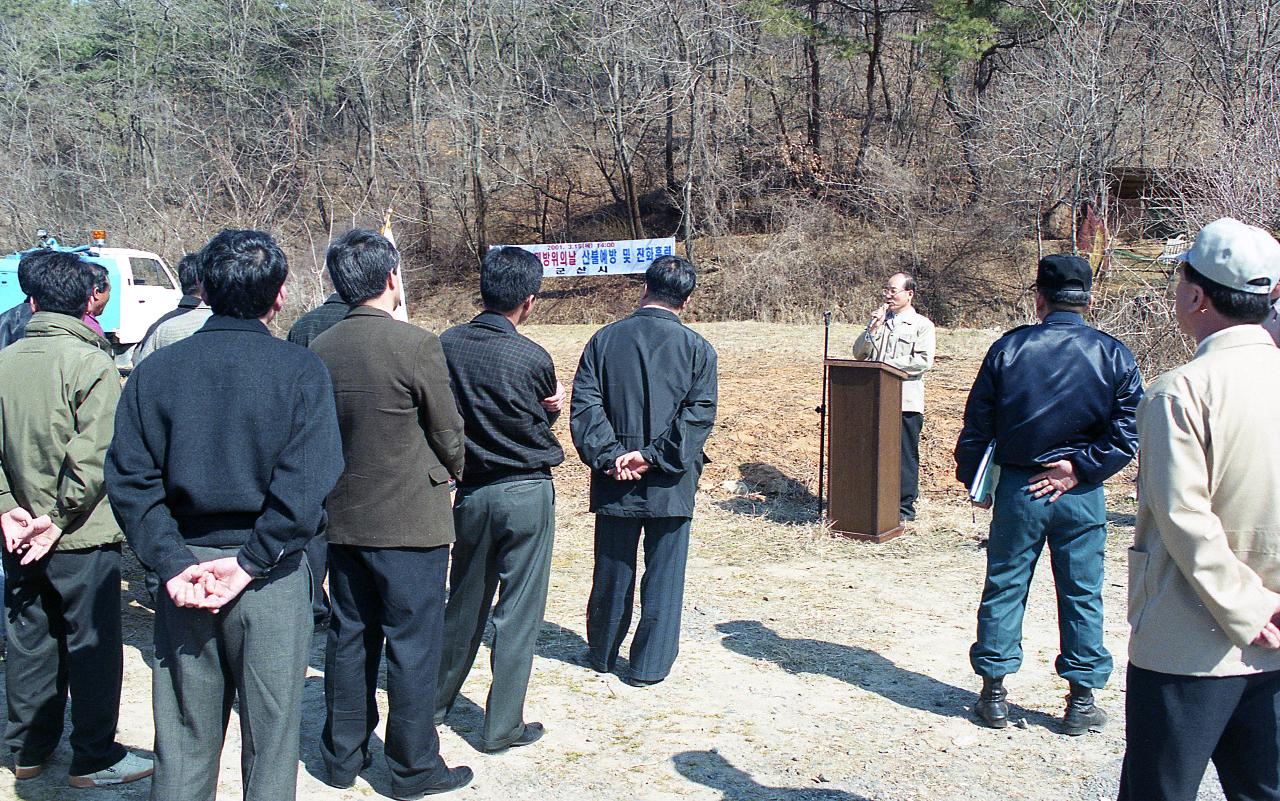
(129, 769)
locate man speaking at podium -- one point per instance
(902, 337)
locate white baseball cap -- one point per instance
(1236, 255)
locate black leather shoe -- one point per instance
(532, 733)
(634, 682)
(1082, 715)
(455, 779)
(992, 706)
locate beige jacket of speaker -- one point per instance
(906, 341)
(1204, 569)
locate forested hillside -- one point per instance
(796, 145)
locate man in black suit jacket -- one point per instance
(644, 402)
(390, 524)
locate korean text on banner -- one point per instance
(562, 259)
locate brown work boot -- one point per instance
(992, 707)
(1082, 715)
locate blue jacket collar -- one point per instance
(1070, 318)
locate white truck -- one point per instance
(143, 288)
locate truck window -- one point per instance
(149, 272)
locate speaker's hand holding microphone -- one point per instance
(877, 318)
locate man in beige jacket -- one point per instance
(902, 337)
(1204, 570)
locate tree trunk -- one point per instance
(967, 122)
(876, 23)
(815, 85)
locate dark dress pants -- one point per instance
(63, 624)
(505, 533)
(396, 596)
(254, 647)
(912, 423)
(657, 640)
(1176, 724)
(317, 553)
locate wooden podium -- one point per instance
(864, 414)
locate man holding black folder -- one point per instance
(1058, 399)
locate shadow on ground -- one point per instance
(768, 492)
(713, 770)
(861, 668)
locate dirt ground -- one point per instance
(811, 669)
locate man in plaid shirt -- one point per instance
(504, 516)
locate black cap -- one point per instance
(1063, 278)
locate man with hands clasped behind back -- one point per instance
(1204, 570)
(58, 393)
(1058, 400)
(226, 444)
(644, 402)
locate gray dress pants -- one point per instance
(256, 648)
(504, 538)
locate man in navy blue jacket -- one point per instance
(644, 402)
(1059, 400)
(226, 444)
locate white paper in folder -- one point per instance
(987, 477)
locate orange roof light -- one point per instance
(99, 236)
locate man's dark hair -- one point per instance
(908, 281)
(101, 278)
(670, 280)
(242, 272)
(62, 284)
(189, 273)
(507, 276)
(1235, 305)
(27, 266)
(358, 263)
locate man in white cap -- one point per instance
(1204, 570)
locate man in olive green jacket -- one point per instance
(58, 393)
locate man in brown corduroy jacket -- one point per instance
(390, 524)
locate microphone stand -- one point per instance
(822, 413)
